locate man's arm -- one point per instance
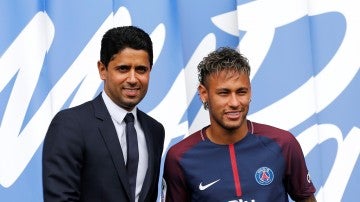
(298, 182)
(176, 189)
(61, 160)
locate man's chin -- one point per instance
(232, 126)
(127, 105)
(130, 104)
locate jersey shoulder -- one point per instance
(178, 149)
(280, 136)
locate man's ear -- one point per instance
(203, 93)
(102, 70)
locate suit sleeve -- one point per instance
(62, 159)
(176, 187)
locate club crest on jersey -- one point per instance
(264, 176)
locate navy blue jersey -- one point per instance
(266, 165)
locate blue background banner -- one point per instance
(305, 75)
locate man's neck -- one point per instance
(222, 136)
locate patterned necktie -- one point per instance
(132, 152)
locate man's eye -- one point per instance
(242, 91)
(123, 68)
(141, 70)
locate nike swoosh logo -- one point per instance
(203, 187)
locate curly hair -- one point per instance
(224, 58)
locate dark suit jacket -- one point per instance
(83, 160)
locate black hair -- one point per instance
(119, 38)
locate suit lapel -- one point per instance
(109, 135)
(149, 144)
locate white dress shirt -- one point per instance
(117, 115)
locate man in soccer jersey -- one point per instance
(234, 159)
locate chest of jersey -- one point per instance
(250, 170)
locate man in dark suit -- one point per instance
(85, 149)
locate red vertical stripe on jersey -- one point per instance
(235, 170)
